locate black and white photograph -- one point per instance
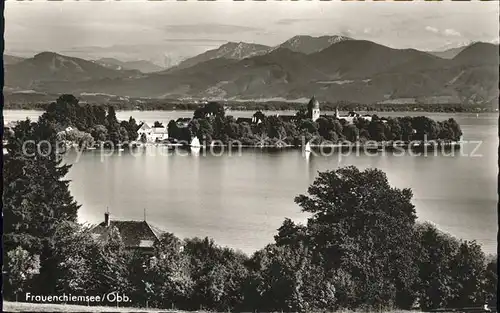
(250, 156)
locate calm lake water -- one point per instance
(240, 200)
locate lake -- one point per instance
(241, 199)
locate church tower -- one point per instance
(313, 109)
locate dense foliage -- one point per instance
(361, 246)
(94, 121)
(209, 124)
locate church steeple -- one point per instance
(313, 109)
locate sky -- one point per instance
(165, 31)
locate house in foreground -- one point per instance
(136, 235)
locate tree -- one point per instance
(215, 109)
(36, 195)
(99, 133)
(407, 133)
(364, 226)
(285, 278)
(351, 133)
(435, 257)
(210, 109)
(259, 116)
(173, 130)
(377, 130)
(112, 121)
(157, 124)
(325, 126)
(108, 264)
(276, 127)
(395, 129)
(66, 266)
(62, 112)
(131, 127)
(21, 267)
(290, 234)
(309, 126)
(218, 274)
(169, 273)
(468, 268)
(491, 281)
(301, 114)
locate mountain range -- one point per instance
(448, 53)
(139, 65)
(333, 68)
(10, 59)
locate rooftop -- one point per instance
(135, 234)
(313, 103)
(144, 126)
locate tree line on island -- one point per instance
(210, 123)
(89, 124)
(361, 248)
(93, 124)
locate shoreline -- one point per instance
(278, 110)
(379, 146)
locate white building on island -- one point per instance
(152, 134)
(351, 116)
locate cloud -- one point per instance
(448, 32)
(432, 29)
(209, 28)
(347, 32)
(451, 32)
(290, 21)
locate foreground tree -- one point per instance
(362, 225)
(435, 257)
(468, 269)
(20, 270)
(168, 274)
(218, 274)
(36, 195)
(285, 278)
(67, 258)
(491, 281)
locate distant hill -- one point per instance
(448, 53)
(242, 50)
(230, 50)
(140, 65)
(50, 66)
(11, 59)
(479, 53)
(308, 44)
(364, 59)
(351, 70)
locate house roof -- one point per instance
(144, 126)
(134, 233)
(313, 103)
